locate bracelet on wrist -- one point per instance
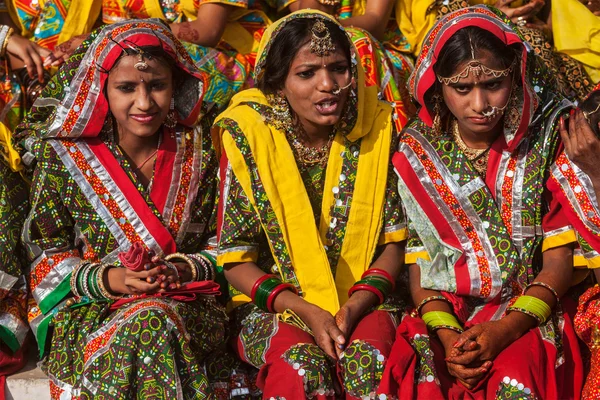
(532, 306)
(265, 287)
(441, 320)
(545, 286)
(381, 273)
(431, 298)
(276, 291)
(100, 280)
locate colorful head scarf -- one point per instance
(361, 104)
(73, 104)
(364, 134)
(536, 86)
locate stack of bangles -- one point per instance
(5, 34)
(441, 320)
(376, 281)
(533, 306)
(87, 280)
(201, 266)
(265, 290)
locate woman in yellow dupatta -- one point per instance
(308, 207)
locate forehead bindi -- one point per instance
(306, 58)
(125, 70)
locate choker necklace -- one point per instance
(309, 156)
(477, 157)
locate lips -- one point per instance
(143, 118)
(480, 120)
(327, 106)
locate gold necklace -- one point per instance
(306, 155)
(477, 157)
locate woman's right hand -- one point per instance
(126, 281)
(32, 55)
(468, 374)
(325, 331)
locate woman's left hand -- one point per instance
(356, 306)
(490, 339)
(32, 54)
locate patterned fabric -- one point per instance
(569, 74)
(152, 347)
(45, 23)
(230, 70)
(478, 241)
(587, 323)
(13, 290)
(387, 63)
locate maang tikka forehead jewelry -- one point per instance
(320, 41)
(477, 69)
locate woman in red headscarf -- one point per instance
(123, 180)
(490, 251)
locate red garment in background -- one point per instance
(9, 364)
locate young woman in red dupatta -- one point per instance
(575, 182)
(124, 179)
(490, 253)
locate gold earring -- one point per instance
(437, 110)
(279, 115)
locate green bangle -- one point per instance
(381, 284)
(92, 282)
(441, 319)
(263, 292)
(532, 306)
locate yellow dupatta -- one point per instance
(576, 32)
(287, 195)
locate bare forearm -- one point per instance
(374, 20)
(314, 4)
(243, 276)
(208, 27)
(419, 294)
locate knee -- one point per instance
(312, 365)
(362, 366)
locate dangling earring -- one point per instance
(437, 110)
(171, 119)
(512, 116)
(280, 115)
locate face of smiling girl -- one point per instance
(139, 100)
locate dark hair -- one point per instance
(286, 45)
(458, 49)
(590, 105)
(154, 53)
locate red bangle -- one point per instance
(382, 272)
(276, 291)
(258, 282)
(372, 289)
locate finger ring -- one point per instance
(521, 21)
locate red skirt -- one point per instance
(536, 366)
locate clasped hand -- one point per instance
(470, 355)
(156, 277)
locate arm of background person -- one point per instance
(375, 19)
(208, 27)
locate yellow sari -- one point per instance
(278, 182)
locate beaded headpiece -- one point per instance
(477, 69)
(320, 41)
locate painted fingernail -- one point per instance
(340, 346)
(148, 266)
(572, 112)
(150, 279)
